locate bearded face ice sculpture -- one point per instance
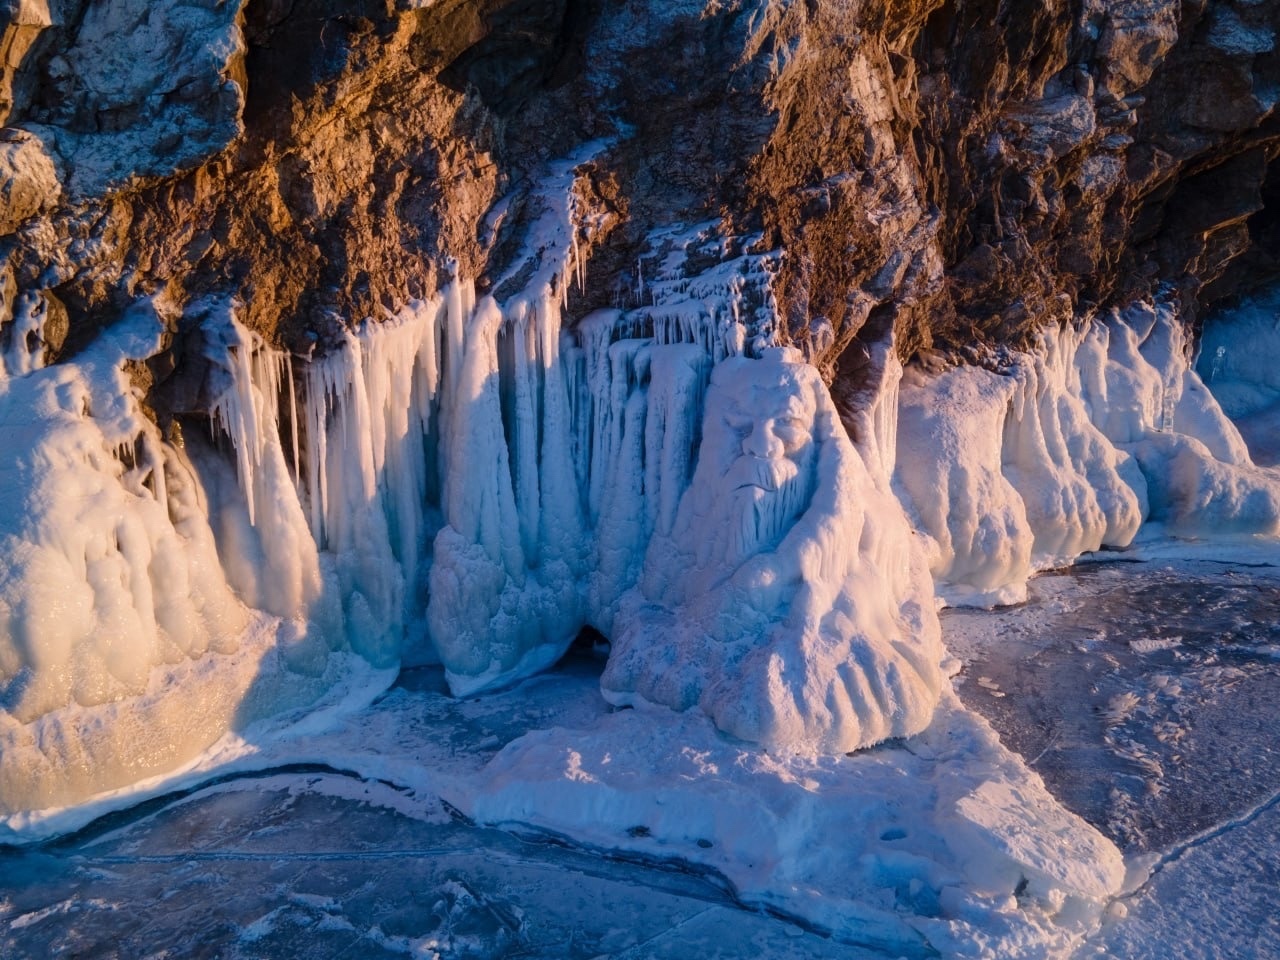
(789, 601)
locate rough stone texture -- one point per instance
(954, 171)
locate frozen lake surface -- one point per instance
(292, 865)
(1143, 693)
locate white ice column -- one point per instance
(493, 615)
(949, 475)
(264, 540)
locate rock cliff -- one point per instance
(957, 171)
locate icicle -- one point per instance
(479, 502)
(293, 419)
(525, 416)
(577, 262)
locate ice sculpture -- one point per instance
(788, 601)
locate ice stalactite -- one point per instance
(504, 590)
(435, 449)
(504, 595)
(266, 546)
(369, 412)
(1079, 491)
(480, 481)
(950, 477)
(1070, 448)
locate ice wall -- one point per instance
(123, 650)
(512, 471)
(466, 482)
(471, 482)
(1240, 363)
(1045, 455)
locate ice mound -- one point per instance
(1071, 448)
(123, 650)
(788, 601)
(941, 845)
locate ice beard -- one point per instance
(790, 600)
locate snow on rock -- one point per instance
(25, 328)
(28, 178)
(143, 88)
(1070, 448)
(788, 600)
(944, 844)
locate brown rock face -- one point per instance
(951, 171)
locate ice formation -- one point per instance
(942, 845)
(1070, 448)
(787, 599)
(472, 481)
(123, 650)
(1240, 363)
(465, 482)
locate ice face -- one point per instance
(760, 452)
(789, 601)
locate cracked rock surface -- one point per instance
(952, 171)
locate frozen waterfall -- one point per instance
(1027, 463)
(473, 480)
